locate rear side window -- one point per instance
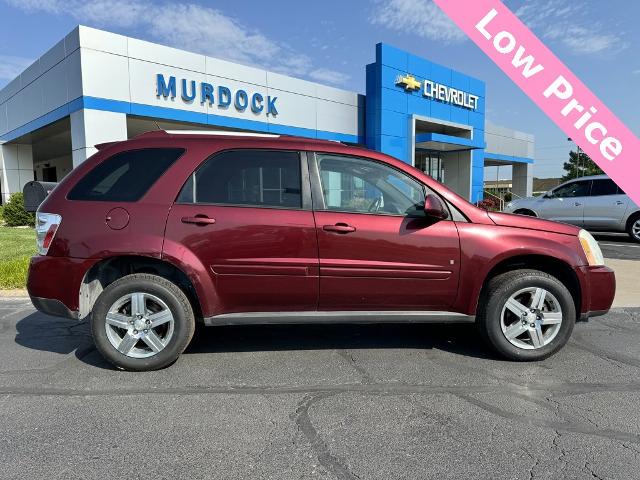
(126, 176)
(261, 178)
(603, 187)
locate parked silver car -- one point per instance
(594, 203)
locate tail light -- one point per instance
(46, 227)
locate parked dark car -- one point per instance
(154, 234)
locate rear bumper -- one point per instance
(54, 284)
(598, 286)
(53, 307)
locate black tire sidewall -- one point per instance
(177, 302)
(495, 303)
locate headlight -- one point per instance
(591, 248)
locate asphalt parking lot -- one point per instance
(618, 246)
(346, 402)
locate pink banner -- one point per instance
(552, 86)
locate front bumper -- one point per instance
(598, 286)
(54, 284)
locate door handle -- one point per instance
(619, 202)
(339, 228)
(198, 220)
(577, 204)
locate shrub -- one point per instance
(14, 213)
(489, 203)
(508, 197)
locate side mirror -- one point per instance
(434, 208)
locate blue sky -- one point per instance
(331, 42)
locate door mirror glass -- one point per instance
(434, 208)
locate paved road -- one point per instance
(618, 246)
(347, 402)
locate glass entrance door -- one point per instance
(430, 162)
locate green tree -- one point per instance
(580, 165)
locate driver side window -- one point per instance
(364, 186)
(573, 189)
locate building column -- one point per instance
(92, 127)
(16, 168)
(522, 178)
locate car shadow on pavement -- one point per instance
(461, 339)
(38, 331)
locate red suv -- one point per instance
(154, 234)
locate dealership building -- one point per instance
(96, 86)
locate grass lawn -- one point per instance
(17, 245)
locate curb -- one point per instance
(14, 293)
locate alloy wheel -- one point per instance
(635, 229)
(139, 325)
(531, 318)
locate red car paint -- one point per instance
(267, 259)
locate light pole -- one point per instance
(569, 139)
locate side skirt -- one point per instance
(250, 318)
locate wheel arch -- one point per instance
(633, 216)
(110, 269)
(544, 263)
(525, 211)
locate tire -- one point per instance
(634, 224)
(496, 321)
(162, 344)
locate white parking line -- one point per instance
(619, 245)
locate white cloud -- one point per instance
(11, 67)
(329, 76)
(636, 72)
(572, 24)
(190, 27)
(420, 17)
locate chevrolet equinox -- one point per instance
(154, 234)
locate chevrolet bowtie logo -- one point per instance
(408, 82)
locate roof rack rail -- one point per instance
(222, 133)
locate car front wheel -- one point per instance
(142, 322)
(526, 315)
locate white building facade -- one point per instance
(95, 86)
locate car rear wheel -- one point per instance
(526, 315)
(142, 322)
(633, 228)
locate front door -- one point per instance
(566, 203)
(242, 215)
(377, 249)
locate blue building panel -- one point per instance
(394, 124)
(460, 115)
(440, 110)
(391, 56)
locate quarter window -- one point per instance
(247, 177)
(364, 186)
(126, 176)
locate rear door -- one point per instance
(566, 203)
(605, 207)
(246, 215)
(377, 249)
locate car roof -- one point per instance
(590, 177)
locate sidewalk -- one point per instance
(627, 282)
